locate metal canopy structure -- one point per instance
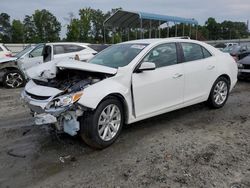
(134, 20)
(126, 19)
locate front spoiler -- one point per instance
(41, 119)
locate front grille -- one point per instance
(37, 97)
(246, 66)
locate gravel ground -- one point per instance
(191, 147)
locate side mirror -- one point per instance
(146, 66)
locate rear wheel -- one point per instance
(13, 79)
(101, 128)
(219, 93)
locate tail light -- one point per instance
(235, 58)
(8, 55)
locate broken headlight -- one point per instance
(64, 100)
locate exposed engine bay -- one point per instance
(53, 92)
(70, 80)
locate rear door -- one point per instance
(72, 51)
(200, 70)
(161, 88)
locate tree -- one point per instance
(73, 30)
(213, 28)
(98, 17)
(47, 27)
(17, 32)
(5, 27)
(29, 30)
(85, 24)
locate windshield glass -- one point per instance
(118, 55)
(230, 48)
(26, 50)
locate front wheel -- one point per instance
(13, 79)
(219, 93)
(101, 128)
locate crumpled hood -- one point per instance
(7, 59)
(78, 65)
(48, 70)
(38, 90)
(44, 71)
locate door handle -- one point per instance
(177, 75)
(210, 67)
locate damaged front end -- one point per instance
(55, 101)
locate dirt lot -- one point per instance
(192, 147)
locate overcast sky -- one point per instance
(235, 10)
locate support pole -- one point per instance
(175, 30)
(150, 24)
(121, 32)
(104, 35)
(190, 32)
(168, 31)
(113, 39)
(196, 32)
(128, 33)
(136, 37)
(183, 30)
(141, 28)
(159, 29)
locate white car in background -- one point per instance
(13, 70)
(4, 51)
(129, 82)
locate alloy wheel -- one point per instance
(14, 79)
(109, 122)
(220, 92)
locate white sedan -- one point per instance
(129, 82)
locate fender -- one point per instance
(94, 94)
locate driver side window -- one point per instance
(37, 52)
(162, 55)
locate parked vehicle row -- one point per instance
(238, 52)
(4, 51)
(244, 68)
(13, 69)
(126, 83)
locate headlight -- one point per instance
(64, 100)
(240, 65)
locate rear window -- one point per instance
(61, 49)
(206, 53)
(192, 51)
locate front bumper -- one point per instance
(65, 118)
(244, 73)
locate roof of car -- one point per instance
(62, 43)
(152, 41)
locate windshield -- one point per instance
(23, 52)
(118, 55)
(230, 48)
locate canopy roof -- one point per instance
(127, 19)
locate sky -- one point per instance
(234, 10)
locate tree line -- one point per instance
(43, 26)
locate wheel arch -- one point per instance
(123, 101)
(227, 77)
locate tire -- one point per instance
(13, 79)
(218, 95)
(93, 125)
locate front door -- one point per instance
(34, 58)
(159, 89)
